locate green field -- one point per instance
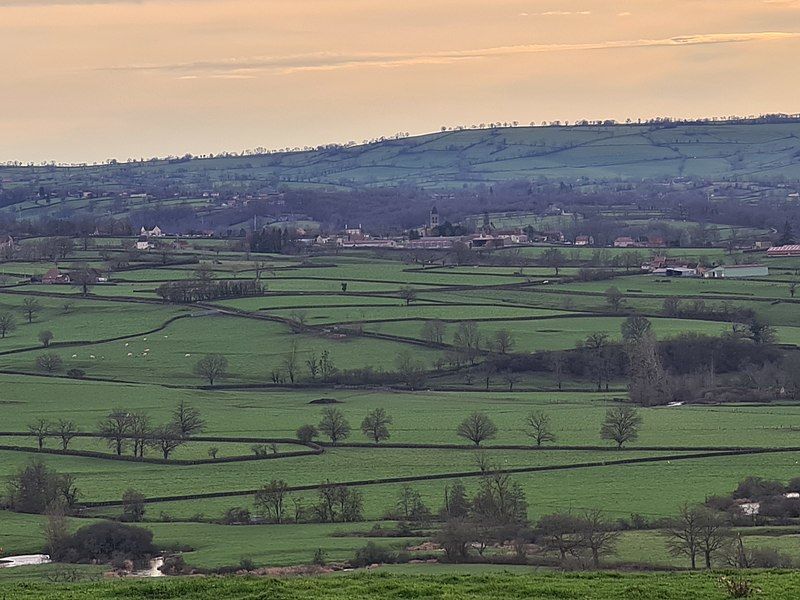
(140, 354)
(495, 584)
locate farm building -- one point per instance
(437, 242)
(584, 240)
(624, 242)
(55, 276)
(154, 232)
(736, 271)
(788, 250)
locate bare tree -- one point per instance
(269, 500)
(212, 367)
(334, 424)
(7, 324)
(376, 425)
(291, 363)
(40, 430)
(115, 428)
(312, 362)
(140, 432)
(614, 298)
(49, 362)
(714, 534)
(467, 340)
(502, 341)
(510, 378)
(31, 307)
(553, 258)
(167, 438)
(539, 428)
(557, 363)
(597, 345)
(45, 337)
(298, 319)
(635, 327)
(84, 277)
(477, 427)
(621, 425)
(408, 294)
(187, 419)
(433, 331)
(66, 430)
(683, 533)
(559, 532)
(410, 370)
(597, 535)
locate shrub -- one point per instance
(236, 516)
(737, 587)
(770, 558)
(307, 433)
(76, 373)
(373, 554)
(175, 565)
(319, 558)
(105, 542)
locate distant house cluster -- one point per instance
(677, 267)
(427, 238)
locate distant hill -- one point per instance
(761, 152)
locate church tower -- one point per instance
(434, 218)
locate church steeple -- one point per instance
(434, 218)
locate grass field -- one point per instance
(140, 354)
(495, 584)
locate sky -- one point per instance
(89, 80)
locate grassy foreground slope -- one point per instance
(497, 585)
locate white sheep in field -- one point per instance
(91, 356)
(74, 356)
(187, 355)
(130, 353)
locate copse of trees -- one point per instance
(105, 542)
(270, 500)
(35, 488)
(123, 429)
(204, 291)
(577, 536)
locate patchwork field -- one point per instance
(122, 348)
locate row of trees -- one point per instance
(336, 427)
(620, 425)
(123, 429)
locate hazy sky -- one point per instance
(85, 80)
